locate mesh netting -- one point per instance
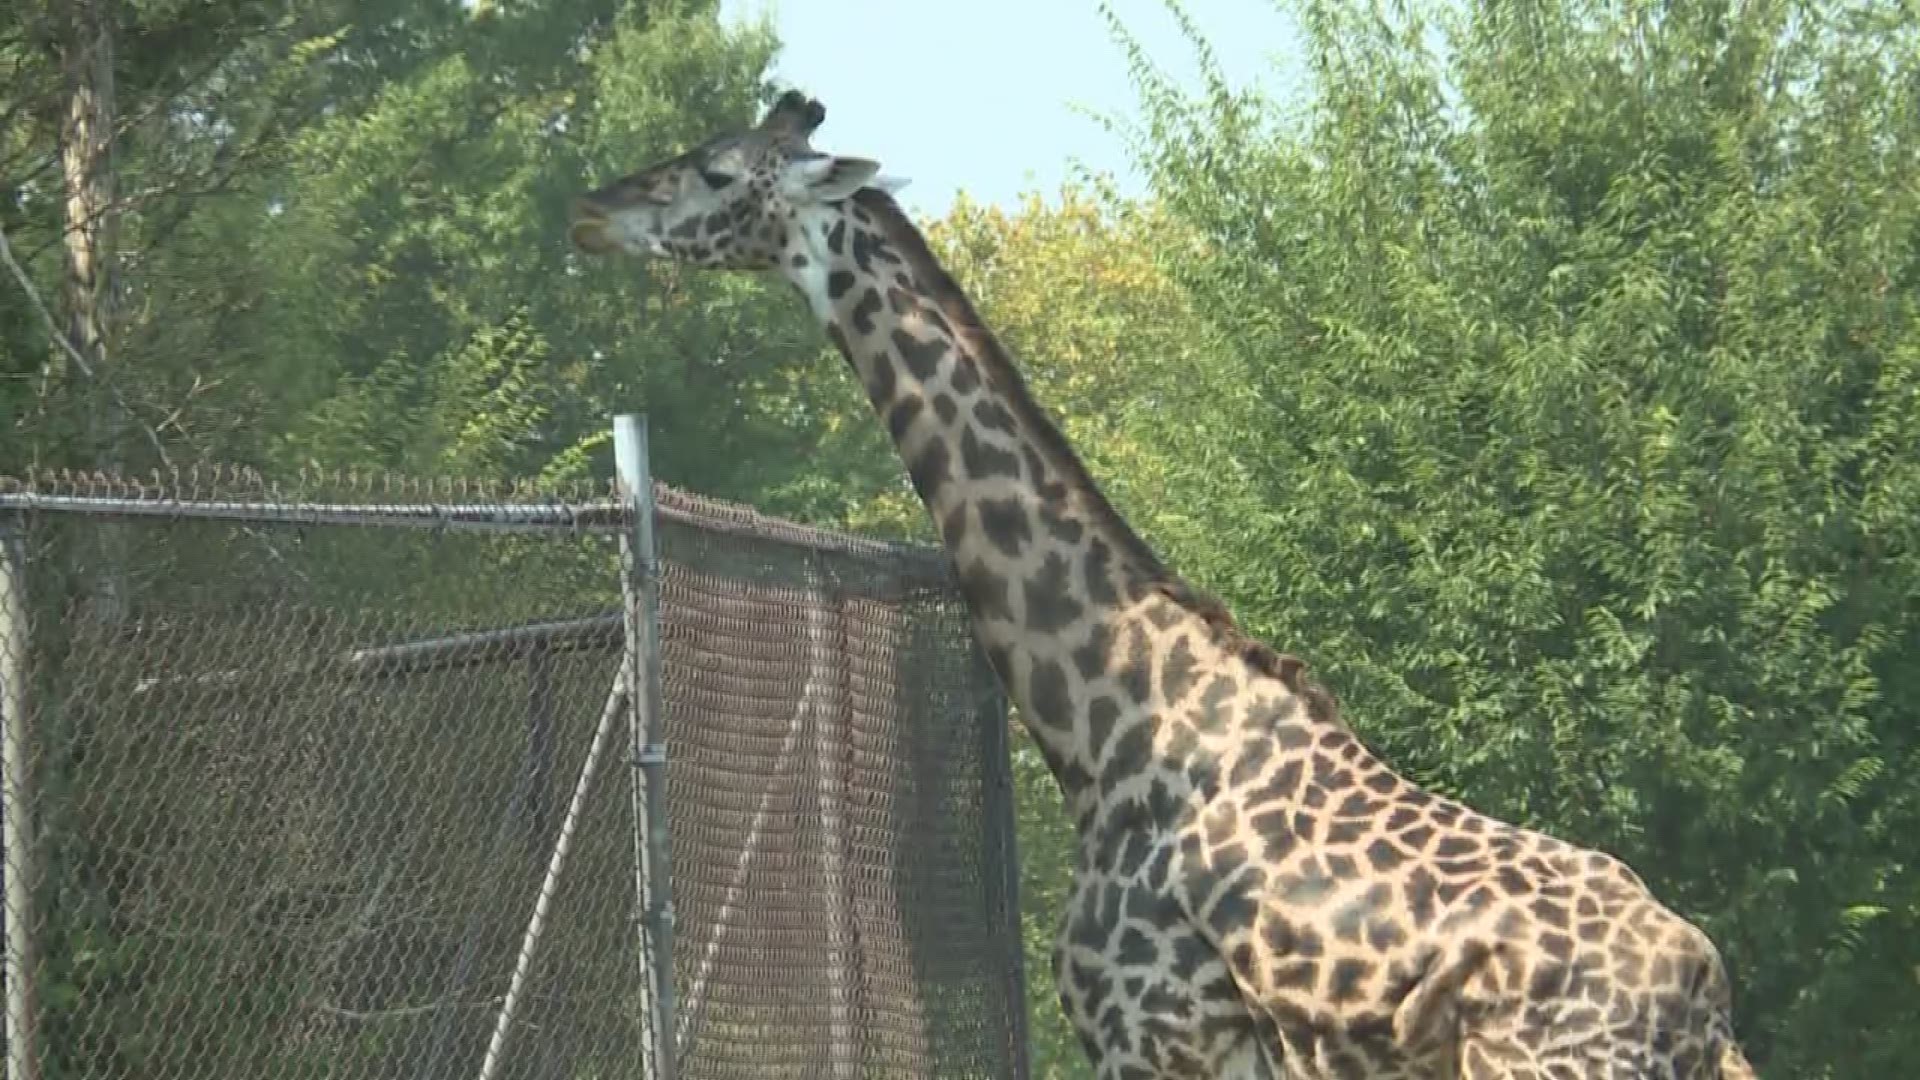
(289, 784)
(843, 900)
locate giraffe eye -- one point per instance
(715, 180)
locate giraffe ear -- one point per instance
(829, 178)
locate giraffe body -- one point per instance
(1294, 892)
(1256, 895)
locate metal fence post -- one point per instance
(16, 833)
(640, 586)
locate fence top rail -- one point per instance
(599, 515)
(470, 508)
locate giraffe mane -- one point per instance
(958, 309)
(1290, 670)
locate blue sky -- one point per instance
(993, 96)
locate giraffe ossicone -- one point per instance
(1256, 894)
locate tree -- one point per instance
(125, 120)
(1582, 384)
(337, 245)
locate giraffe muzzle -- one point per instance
(591, 237)
(592, 228)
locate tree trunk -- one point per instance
(86, 148)
(86, 159)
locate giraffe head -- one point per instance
(731, 203)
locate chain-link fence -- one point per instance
(291, 788)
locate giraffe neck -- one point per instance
(1058, 585)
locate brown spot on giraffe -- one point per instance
(1257, 895)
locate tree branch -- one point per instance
(60, 339)
(162, 100)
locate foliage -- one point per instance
(1577, 448)
(453, 325)
(381, 265)
(204, 97)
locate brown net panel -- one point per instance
(838, 789)
(293, 784)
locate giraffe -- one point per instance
(1255, 894)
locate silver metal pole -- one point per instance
(16, 831)
(652, 858)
